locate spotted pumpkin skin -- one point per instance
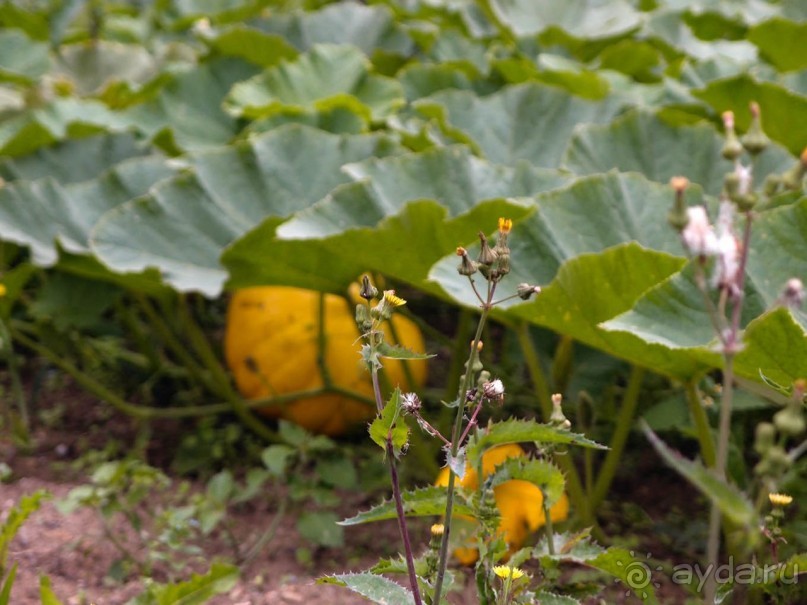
(272, 345)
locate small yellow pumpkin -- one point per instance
(272, 347)
(520, 503)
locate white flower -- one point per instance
(727, 250)
(494, 389)
(699, 236)
(744, 178)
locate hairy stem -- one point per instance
(455, 445)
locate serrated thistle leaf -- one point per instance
(393, 351)
(521, 431)
(376, 588)
(390, 426)
(732, 503)
(423, 502)
(544, 475)
(550, 598)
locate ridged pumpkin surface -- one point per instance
(272, 345)
(520, 503)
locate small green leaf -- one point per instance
(390, 426)
(521, 431)
(423, 502)
(634, 573)
(732, 503)
(8, 583)
(46, 594)
(276, 458)
(198, 590)
(220, 487)
(321, 528)
(393, 351)
(376, 588)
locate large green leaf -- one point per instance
(674, 313)
(74, 160)
(642, 142)
(779, 107)
(592, 288)
(368, 225)
(187, 114)
(590, 215)
(46, 215)
(219, 579)
(540, 473)
(368, 28)
(184, 224)
(327, 76)
(384, 185)
(22, 59)
(580, 18)
(252, 45)
(530, 122)
(781, 42)
(775, 346)
(26, 130)
(94, 66)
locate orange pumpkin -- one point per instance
(520, 503)
(272, 347)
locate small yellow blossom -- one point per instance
(505, 225)
(505, 572)
(437, 529)
(392, 300)
(3, 290)
(780, 499)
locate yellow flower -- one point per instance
(438, 529)
(505, 572)
(392, 300)
(505, 225)
(780, 499)
(3, 290)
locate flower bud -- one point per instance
(755, 140)
(678, 217)
(410, 403)
(558, 418)
(367, 291)
(525, 291)
(486, 255)
(494, 390)
(363, 318)
(793, 179)
(732, 148)
(793, 294)
(467, 266)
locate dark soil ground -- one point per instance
(73, 552)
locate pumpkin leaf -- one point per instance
(494, 125)
(522, 431)
(327, 76)
(422, 502)
(376, 588)
(639, 141)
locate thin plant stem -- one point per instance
(701, 422)
(730, 347)
(268, 535)
(396, 494)
(624, 423)
(455, 439)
